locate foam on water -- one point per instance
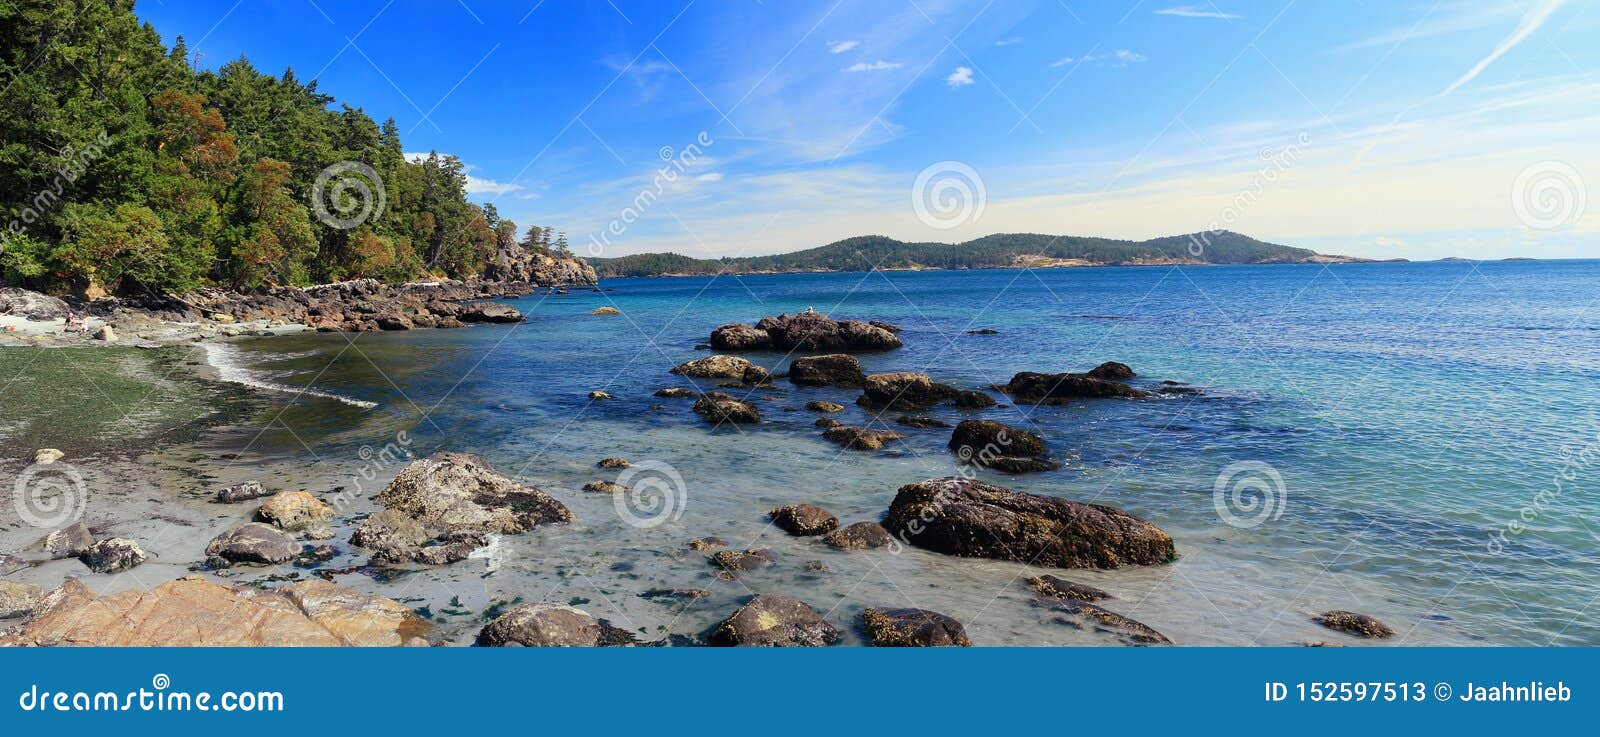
(225, 359)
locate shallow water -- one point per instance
(1413, 412)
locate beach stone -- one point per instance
(1351, 623)
(821, 405)
(542, 625)
(1060, 388)
(912, 628)
(804, 520)
(860, 438)
(294, 510)
(254, 542)
(47, 456)
(827, 422)
(774, 620)
(105, 333)
(859, 536)
(613, 463)
(17, 599)
(606, 310)
(835, 369)
(609, 487)
(114, 555)
(741, 560)
(194, 612)
(714, 367)
(448, 492)
(1053, 587)
(904, 390)
(718, 408)
(1113, 371)
(68, 542)
(241, 492)
(970, 518)
(1080, 613)
(677, 393)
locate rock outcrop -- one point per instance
(859, 536)
(31, 305)
(113, 555)
(804, 520)
(1061, 388)
(995, 445)
(254, 542)
(912, 628)
(904, 390)
(542, 625)
(718, 408)
(294, 510)
(804, 331)
(964, 517)
(723, 367)
(775, 620)
(834, 369)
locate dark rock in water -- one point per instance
(804, 519)
(675, 594)
(968, 399)
(113, 555)
(599, 395)
(740, 337)
(920, 421)
(827, 422)
(1352, 623)
(821, 405)
(1053, 587)
(806, 331)
(983, 331)
(835, 369)
(68, 542)
(708, 543)
(542, 625)
(718, 408)
(998, 446)
(1179, 390)
(860, 438)
(971, 518)
(774, 620)
(1113, 371)
(1060, 388)
(608, 487)
(715, 367)
(906, 390)
(881, 325)
(912, 628)
(859, 536)
(491, 312)
(1079, 613)
(613, 463)
(242, 492)
(741, 560)
(254, 542)
(702, 346)
(677, 393)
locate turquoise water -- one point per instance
(1433, 425)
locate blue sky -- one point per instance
(1418, 129)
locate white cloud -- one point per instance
(475, 185)
(961, 77)
(715, 176)
(1120, 58)
(1063, 61)
(1009, 41)
(877, 66)
(1195, 11)
(1530, 23)
(839, 47)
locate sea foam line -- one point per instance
(225, 359)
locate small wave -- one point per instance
(225, 359)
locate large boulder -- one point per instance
(775, 620)
(905, 390)
(995, 445)
(488, 311)
(912, 628)
(1061, 388)
(254, 542)
(714, 367)
(113, 555)
(1113, 371)
(31, 305)
(834, 369)
(542, 625)
(718, 408)
(805, 331)
(68, 542)
(971, 518)
(859, 536)
(462, 492)
(194, 612)
(740, 337)
(294, 510)
(804, 520)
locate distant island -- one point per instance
(999, 251)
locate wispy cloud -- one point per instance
(877, 66)
(961, 77)
(1195, 11)
(1531, 22)
(715, 176)
(1009, 41)
(839, 47)
(1119, 58)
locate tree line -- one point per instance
(125, 168)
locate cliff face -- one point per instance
(513, 263)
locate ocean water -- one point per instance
(1412, 441)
